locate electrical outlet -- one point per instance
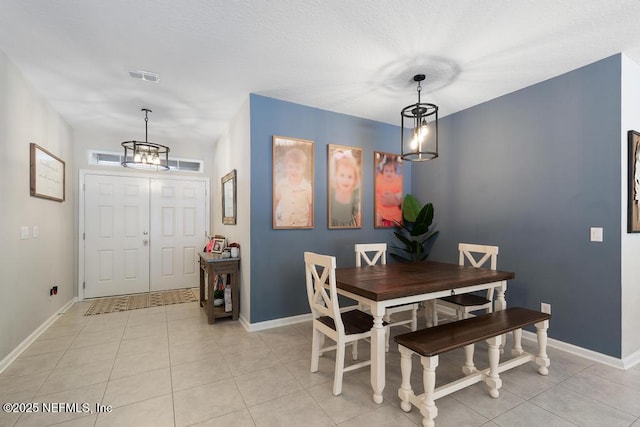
(545, 308)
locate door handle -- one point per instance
(145, 242)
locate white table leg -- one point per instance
(377, 353)
(500, 304)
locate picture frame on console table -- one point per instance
(633, 182)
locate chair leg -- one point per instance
(315, 349)
(339, 369)
(354, 350)
(387, 318)
(414, 317)
(434, 313)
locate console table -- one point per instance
(214, 264)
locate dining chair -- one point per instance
(371, 254)
(463, 304)
(343, 327)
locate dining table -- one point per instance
(388, 285)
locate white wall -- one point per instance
(630, 241)
(30, 267)
(232, 151)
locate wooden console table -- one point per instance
(214, 265)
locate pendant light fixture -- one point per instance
(421, 143)
(145, 155)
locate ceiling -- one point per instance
(352, 57)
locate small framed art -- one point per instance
(47, 174)
(633, 182)
(388, 189)
(292, 185)
(344, 166)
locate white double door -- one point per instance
(142, 234)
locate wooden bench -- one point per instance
(430, 342)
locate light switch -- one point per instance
(35, 231)
(24, 232)
(596, 234)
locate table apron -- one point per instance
(379, 306)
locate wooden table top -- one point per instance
(384, 282)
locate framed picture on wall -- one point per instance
(47, 175)
(229, 206)
(633, 212)
(292, 184)
(388, 189)
(344, 186)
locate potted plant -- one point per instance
(415, 231)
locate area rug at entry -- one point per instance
(136, 301)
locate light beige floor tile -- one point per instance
(192, 374)
(145, 330)
(205, 402)
(614, 394)
(477, 398)
(48, 345)
(580, 409)
(266, 384)
(193, 350)
(240, 342)
(26, 385)
(133, 364)
(245, 361)
(141, 345)
(89, 395)
(293, 410)
(94, 353)
(136, 388)
(88, 421)
(236, 419)
(384, 416)
(33, 364)
(156, 412)
(530, 415)
(301, 370)
(75, 377)
(85, 339)
(629, 378)
(356, 398)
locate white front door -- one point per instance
(116, 215)
(178, 232)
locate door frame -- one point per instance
(82, 173)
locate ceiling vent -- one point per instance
(145, 75)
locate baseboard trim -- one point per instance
(276, 323)
(623, 364)
(11, 357)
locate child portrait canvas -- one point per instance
(292, 183)
(387, 189)
(344, 186)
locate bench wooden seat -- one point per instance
(430, 342)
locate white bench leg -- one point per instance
(469, 368)
(493, 380)
(542, 360)
(428, 407)
(517, 349)
(405, 369)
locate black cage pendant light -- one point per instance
(145, 155)
(421, 142)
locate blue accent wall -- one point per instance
(277, 266)
(531, 171)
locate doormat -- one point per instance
(137, 301)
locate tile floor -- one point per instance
(165, 366)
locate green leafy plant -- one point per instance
(218, 294)
(415, 231)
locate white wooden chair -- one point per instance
(463, 304)
(342, 327)
(372, 253)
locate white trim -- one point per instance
(275, 323)
(623, 364)
(82, 173)
(11, 357)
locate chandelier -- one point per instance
(421, 143)
(145, 155)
